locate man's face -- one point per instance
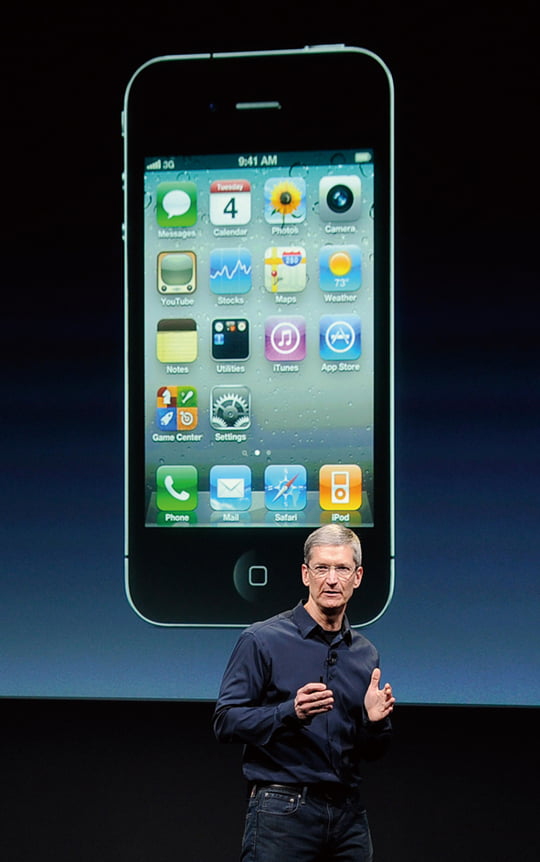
(331, 592)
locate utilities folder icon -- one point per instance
(232, 488)
(177, 340)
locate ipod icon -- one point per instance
(340, 487)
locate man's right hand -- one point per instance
(312, 699)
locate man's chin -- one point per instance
(332, 603)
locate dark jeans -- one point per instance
(289, 826)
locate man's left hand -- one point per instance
(379, 702)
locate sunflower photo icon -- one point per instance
(285, 200)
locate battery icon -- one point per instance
(361, 157)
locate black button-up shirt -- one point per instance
(271, 661)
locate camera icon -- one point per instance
(340, 198)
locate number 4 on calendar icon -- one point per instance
(230, 202)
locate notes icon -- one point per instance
(285, 338)
(176, 340)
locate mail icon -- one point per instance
(230, 488)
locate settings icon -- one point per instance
(231, 407)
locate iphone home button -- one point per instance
(251, 576)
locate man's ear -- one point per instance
(358, 577)
(305, 575)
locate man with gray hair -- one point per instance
(301, 691)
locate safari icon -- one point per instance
(176, 204)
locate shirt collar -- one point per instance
(307, 624)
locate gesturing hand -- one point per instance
(312, 699)
(379, 702)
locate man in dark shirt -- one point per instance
(301, 691)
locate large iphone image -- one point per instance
(258, 231)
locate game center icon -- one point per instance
(176, 408)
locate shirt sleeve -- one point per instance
(241, 713)
(373, 738)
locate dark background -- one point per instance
(145, 782)
(134, 780)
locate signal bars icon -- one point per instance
(154, 166)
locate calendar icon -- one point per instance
(230, 202)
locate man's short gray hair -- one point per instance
(333, 534)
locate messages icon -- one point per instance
(176, 204)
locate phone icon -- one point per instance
(176, 488)
(340, 487)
